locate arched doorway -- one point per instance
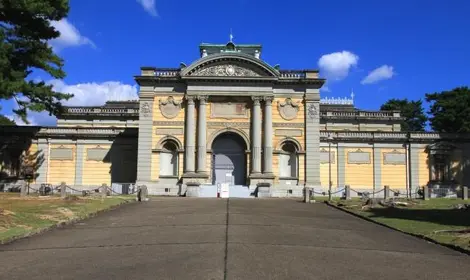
(229, 159)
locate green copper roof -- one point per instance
(250, 49)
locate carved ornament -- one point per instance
(145, 109)
(288, 109)
(312, 111)
(225, 70)
(170, 107)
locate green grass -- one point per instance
(24, 216)
(422, 218)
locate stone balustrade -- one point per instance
(292, 74)
(101, 110)
(167, 72)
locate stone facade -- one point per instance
(231, 118)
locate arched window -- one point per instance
(288, 160)
(169, 159)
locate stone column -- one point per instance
(190, 131)
(201, 135)
(256, 134)
(268, 136)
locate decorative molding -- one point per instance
(256, 100)
(61, 153)
(229, 110)
(289, 132)
(170, 108)
(324, 157)
(228, 124)
(288, 109)
(359, 157)
(169, 131)
(145, 109)
(312, 111)
(286, 124)
(96, 154)
(168, 123)
(268, 99)
(190, 99)
(225, 70)
(202, 99)
(394, 158)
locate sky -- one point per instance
(378, 49)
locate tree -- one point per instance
(6, 121)
(450, 110)
(412, 111)
(25, 29)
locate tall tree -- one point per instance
(412, 111)
(450, 110)
(25, 29)
(6, 121)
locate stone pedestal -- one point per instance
(464, 193)
(347, 191)
(263, 190)
(192, 189)
(386, 192)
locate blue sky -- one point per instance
(415, 47)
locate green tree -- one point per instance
(6, 121)
(412, 111)
(25, 29)
(450, 110)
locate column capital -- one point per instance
(256, 100)
(268, 100)
(202, 99)
(190, 99)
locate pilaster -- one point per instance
(312, 141)
(341, 167)
(144, 153)
(79, 163)
(414, 166)
(268, 136)
(43, 147)
(256, 135)
(190, 144)
(201, 135)
(377, 168)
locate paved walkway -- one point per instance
(178, 238)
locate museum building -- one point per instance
(231, 118)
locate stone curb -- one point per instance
(420, 236)
(62, 224)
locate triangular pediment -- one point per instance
(229, 66)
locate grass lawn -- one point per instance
(421, 217)
(24, 216)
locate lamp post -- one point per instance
(330, 139)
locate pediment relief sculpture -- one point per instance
(288, 109)
(170, 107)
(225, 70)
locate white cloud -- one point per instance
(69, 35)
(384, 72)
(149, 6)
(19, 121)
(336, 66)
(325, 88)
(95, 94)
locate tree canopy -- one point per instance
(6, 121)
(25, 29)
(412, 111)
(450, 110)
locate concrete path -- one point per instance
(178, 238)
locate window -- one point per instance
(169, 159)
(288, 161)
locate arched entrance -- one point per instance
(228, 159)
